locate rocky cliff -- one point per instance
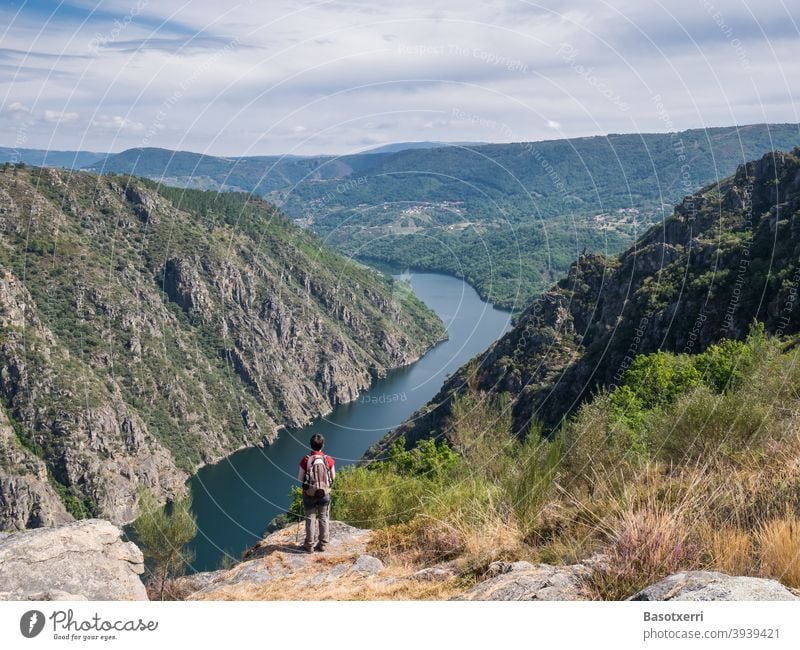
(89, 560)
(728, 255)
(146, 331)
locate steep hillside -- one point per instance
(146, 331)
(729, 254)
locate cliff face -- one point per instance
(144, 333)
(729, 254)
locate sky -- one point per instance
(340, 76)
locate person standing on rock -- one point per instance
(316, 474)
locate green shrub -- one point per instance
(596, 443)
(702, 425)
(725, 365)
(658, 379)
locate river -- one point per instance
(236, 498)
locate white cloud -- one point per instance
(57, 117)
(117, 123)
(18, 107)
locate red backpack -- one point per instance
(318, 478)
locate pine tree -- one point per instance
(163, 533)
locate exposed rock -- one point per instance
(367, 565)
(711, 585)
(440, 573)
(279, 559)
(27, 500)
(50, 594)
(82, 560)
(526, 581)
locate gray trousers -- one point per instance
(316, 510)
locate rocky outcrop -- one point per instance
(526, 581)
(145, 334)
(85, 560)
(27, 499)
(81, 437)
(711, 585)
(278, 567)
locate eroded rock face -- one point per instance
(27, 500)
(712, 585)
(84, 560)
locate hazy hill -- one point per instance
(47, 158)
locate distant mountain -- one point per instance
(728, 255)
(509, 218)
(47, 158)
(259, 174)
(146, 331)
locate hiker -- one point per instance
(316, 474)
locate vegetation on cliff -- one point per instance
(691, 464)
(642, 415)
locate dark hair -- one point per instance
(317, 442)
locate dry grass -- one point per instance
(645, 546)
(420, 542)
(474, 536)
(729, 550)
(779, 541)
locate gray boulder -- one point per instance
(438, 573)
(712, 585)
(84, 560)
(526, 581)
(367, 565)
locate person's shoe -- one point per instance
(308, 548)
(320, 547)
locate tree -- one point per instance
(163, 532)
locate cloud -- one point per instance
(57, 117)
(17, 108)
(117, 123)
(183, 45)
(552, 124)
